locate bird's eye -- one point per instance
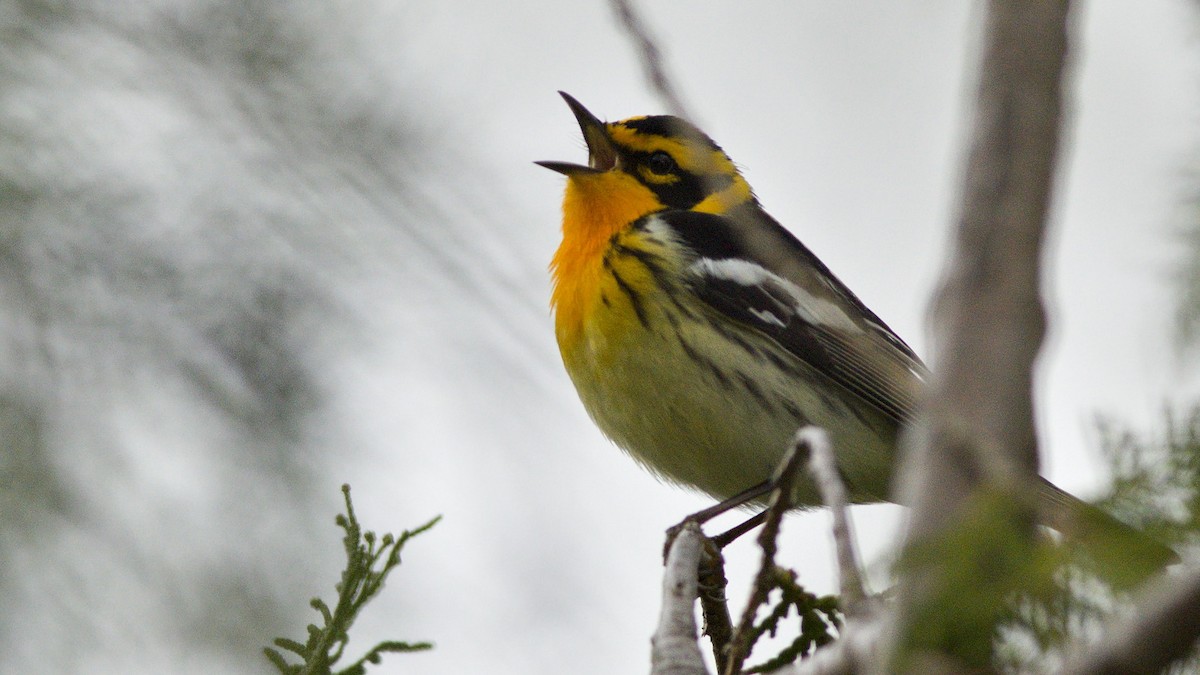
(660, 163)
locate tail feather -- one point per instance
(1125, 555)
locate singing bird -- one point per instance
(700, 334)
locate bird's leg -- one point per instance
(705, 515)
(740, 499)
(728, 536)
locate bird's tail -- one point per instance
(1123, 554)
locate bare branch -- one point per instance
(714, 604)
(674, 647)
(651, 57)
(764, 582)
(1162, 630)
(823, 466)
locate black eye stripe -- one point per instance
(687, 190)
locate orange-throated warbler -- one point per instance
(700, 334)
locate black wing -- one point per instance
(752, 270)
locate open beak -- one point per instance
(602, 156)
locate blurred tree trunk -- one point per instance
(977, 430)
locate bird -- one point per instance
(700, 334)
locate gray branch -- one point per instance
(823, 465)
(674, 647)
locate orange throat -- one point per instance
(596, 207)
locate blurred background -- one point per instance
(252, 250)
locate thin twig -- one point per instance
(674, 650)
(651, 57)
(823, 466)
(780, 502)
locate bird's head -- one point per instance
(642, 165)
